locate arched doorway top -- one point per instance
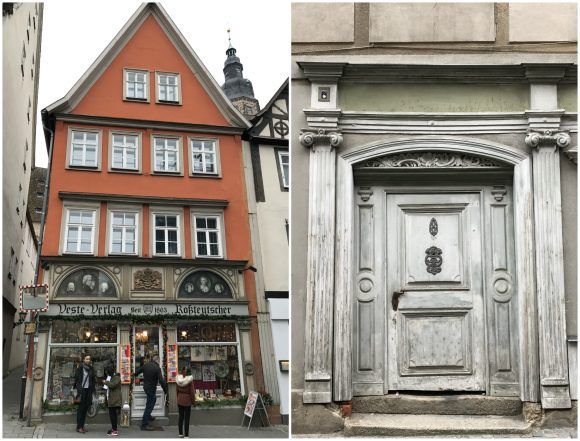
(472, 146)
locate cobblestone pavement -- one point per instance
(13, 428)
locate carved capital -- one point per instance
(314, 138)
(244, 324)
(365, 193)
(547, 138)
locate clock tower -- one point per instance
(238, 89)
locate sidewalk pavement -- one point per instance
(12, 427)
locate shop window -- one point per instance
(204, 284)
(63, 363)
(83, 332)
(211, 352)
(89, 282)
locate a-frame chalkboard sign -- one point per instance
(253, 404)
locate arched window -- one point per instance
(89, 282)
(202, 285)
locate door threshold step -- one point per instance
(438, 405)
(417, 425)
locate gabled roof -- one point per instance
(272, 101)
(82, 86)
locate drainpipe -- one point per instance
(36, 316)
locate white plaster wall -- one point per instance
(280, 319)
(18, 91)
(543, 22)
(322, 22)
(272, 215)
(431, 22)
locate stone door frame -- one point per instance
(523, 203)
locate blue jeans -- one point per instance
(149, 405)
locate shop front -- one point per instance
(208, 336)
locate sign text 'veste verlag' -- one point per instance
(93, 309)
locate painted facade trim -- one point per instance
(68, 195)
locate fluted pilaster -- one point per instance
(554, 382)
(320, 264)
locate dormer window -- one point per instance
(136, 84)
(168, 88)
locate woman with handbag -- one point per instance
(185, 399)
(85, 381)
(114, 400)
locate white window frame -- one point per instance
(136, 227)
(126, 97)
(112, 168)
(154, 153)
(158, 75)
(84, 166)
(216, 153)
(285, 178)
(220, 230)
(154, 228)
(66, 230)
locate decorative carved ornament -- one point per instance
(547, 138)
(365, 193)
(311, 138)
(148, 280)
(433, 227)
(429, 160)
(433, 260)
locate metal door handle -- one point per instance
(395, 299)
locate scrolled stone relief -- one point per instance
(204, 284)
(547, 138)
(148, 280)
(90, 282)
(502, 285)
(433, 227)
(313, 138)
(430, 159)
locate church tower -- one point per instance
(238, 89)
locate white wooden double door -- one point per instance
(419, 315)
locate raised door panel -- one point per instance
(435, 292)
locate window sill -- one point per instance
(166, 173)
(121, 170)
(209, 257)
(137, 100)
(83, 168)
(170, 103)
(205, 175)
(167, 255)
(71, 253)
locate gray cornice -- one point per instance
(145, 124)
(145, 261)
(68, 195)
(481, 73)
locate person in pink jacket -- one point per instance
(185, 399)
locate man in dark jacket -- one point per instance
(152, 375)
(85, 385)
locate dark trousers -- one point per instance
(86, 400)
(149, 405)
(184, 414)
(113, 412)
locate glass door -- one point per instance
(147, 343)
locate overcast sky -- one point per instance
(75, 33)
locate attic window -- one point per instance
(168, 88)
(136, 84)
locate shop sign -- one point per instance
(188, 310)
(30, 328)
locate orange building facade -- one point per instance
(147, 245)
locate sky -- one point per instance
(76, 32)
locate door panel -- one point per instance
(435, 325)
